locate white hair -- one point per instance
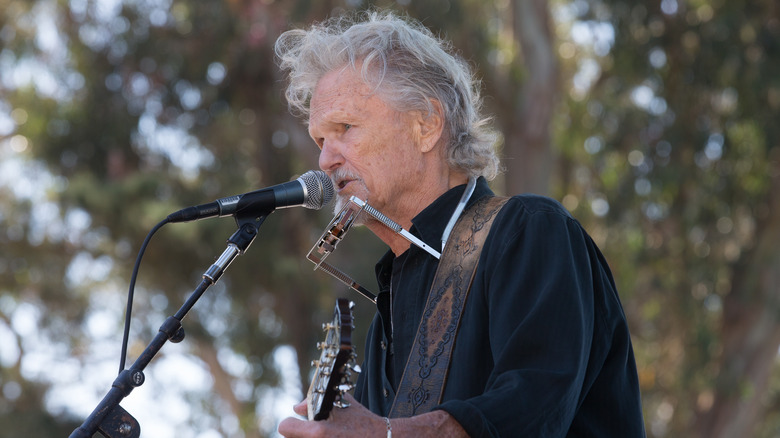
(407, 65)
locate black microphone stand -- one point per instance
(110, 419)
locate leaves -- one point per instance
(663, 142)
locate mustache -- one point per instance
(341, 174)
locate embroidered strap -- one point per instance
(423, 379)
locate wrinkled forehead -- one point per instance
(344, 89)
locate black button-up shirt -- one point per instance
(543, 348)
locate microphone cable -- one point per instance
(317, 190)
(131, 292)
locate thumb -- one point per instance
(301, 408)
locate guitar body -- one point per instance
(333, 370)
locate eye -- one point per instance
(347, 126)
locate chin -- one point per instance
(341, 201)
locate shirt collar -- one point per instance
(429, 224)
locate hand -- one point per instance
(357, 421)
(354, 421)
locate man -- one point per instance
(543, 349)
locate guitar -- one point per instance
(333, 371)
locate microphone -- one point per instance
(312, 190)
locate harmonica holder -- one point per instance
(337, 229)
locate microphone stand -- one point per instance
(110, 419)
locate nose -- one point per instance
(331, 157)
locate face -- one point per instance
(367, 148)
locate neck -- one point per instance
(398, 244)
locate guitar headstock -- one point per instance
(333, 371)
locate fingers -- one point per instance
(292, 427)
(301, 408)
(354, 421)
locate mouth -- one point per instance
(342, 184)
(343, 180)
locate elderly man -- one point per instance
(542, 348)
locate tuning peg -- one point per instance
(341, 404)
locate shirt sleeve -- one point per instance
(549, 296)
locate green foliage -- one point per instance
(666, 138)
(686, 147)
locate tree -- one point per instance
(149, 108)
(678, 123)
(654, 123)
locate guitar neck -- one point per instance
(333, 370)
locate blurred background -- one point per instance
(656, 123)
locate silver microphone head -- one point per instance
(319, 189)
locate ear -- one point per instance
(431, 127)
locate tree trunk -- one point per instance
(528, 157)
(750, 332)
(223, 386)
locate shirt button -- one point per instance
(386, 392)
(383, 345)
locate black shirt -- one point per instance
(543, 348)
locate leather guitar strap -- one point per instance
(423, 380)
